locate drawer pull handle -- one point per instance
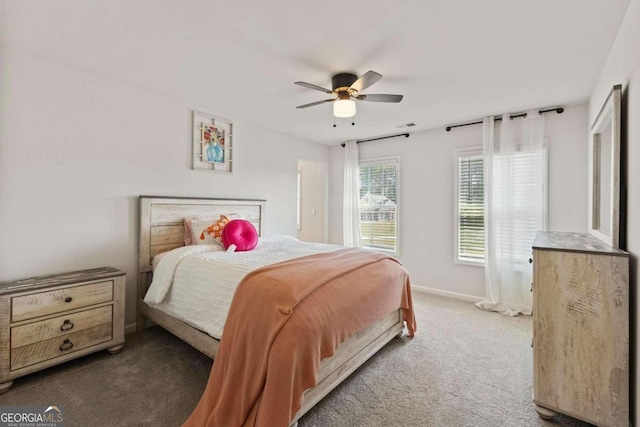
(530, 260)
(68, 299)
(67, 325)
(66, 345)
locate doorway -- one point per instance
(312, 201)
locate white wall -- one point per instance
(567, 136)
(313, 201)
(623, 67)
(427, 195)
(76, 150)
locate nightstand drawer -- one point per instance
(51, 302)
(50, 349)
(59, 326)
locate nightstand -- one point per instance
(48, 320)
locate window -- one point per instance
(470, 206)
(299, 201)
(519, 201)
(379, 204)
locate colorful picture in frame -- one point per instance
(212, 140)
(212, 143)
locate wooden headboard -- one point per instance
(162, 229)
(161, 220)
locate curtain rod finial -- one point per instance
(558, 110)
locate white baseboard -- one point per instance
(130, 328)
(456, 295)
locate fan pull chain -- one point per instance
(334, 121)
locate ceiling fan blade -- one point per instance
(380, 98)
(310, 86)
(366, 80)
(316, 103)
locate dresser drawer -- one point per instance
(51, 302)
(59, 326)
(45, 350)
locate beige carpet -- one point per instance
(465, 367)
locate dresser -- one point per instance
(580, 328)
(48, 320)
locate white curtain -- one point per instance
(515, 208)
(351, 196)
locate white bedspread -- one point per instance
(196, 283)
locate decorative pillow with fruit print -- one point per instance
(206, 232)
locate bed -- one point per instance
(161, 230)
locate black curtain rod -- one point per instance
(406, 135)
(558, 110)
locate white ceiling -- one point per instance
(454, 60)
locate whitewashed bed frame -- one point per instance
(161, 229)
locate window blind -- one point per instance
(379, 204)
(470, 208)
(299, 201)
(521, 190)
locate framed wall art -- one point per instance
(212, 143)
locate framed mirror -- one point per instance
(604, 221)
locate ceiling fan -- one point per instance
(346, 89)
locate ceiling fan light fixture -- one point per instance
(343, 108)
(346, 89)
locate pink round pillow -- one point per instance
(241, 233)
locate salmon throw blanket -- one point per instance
(284, 319)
